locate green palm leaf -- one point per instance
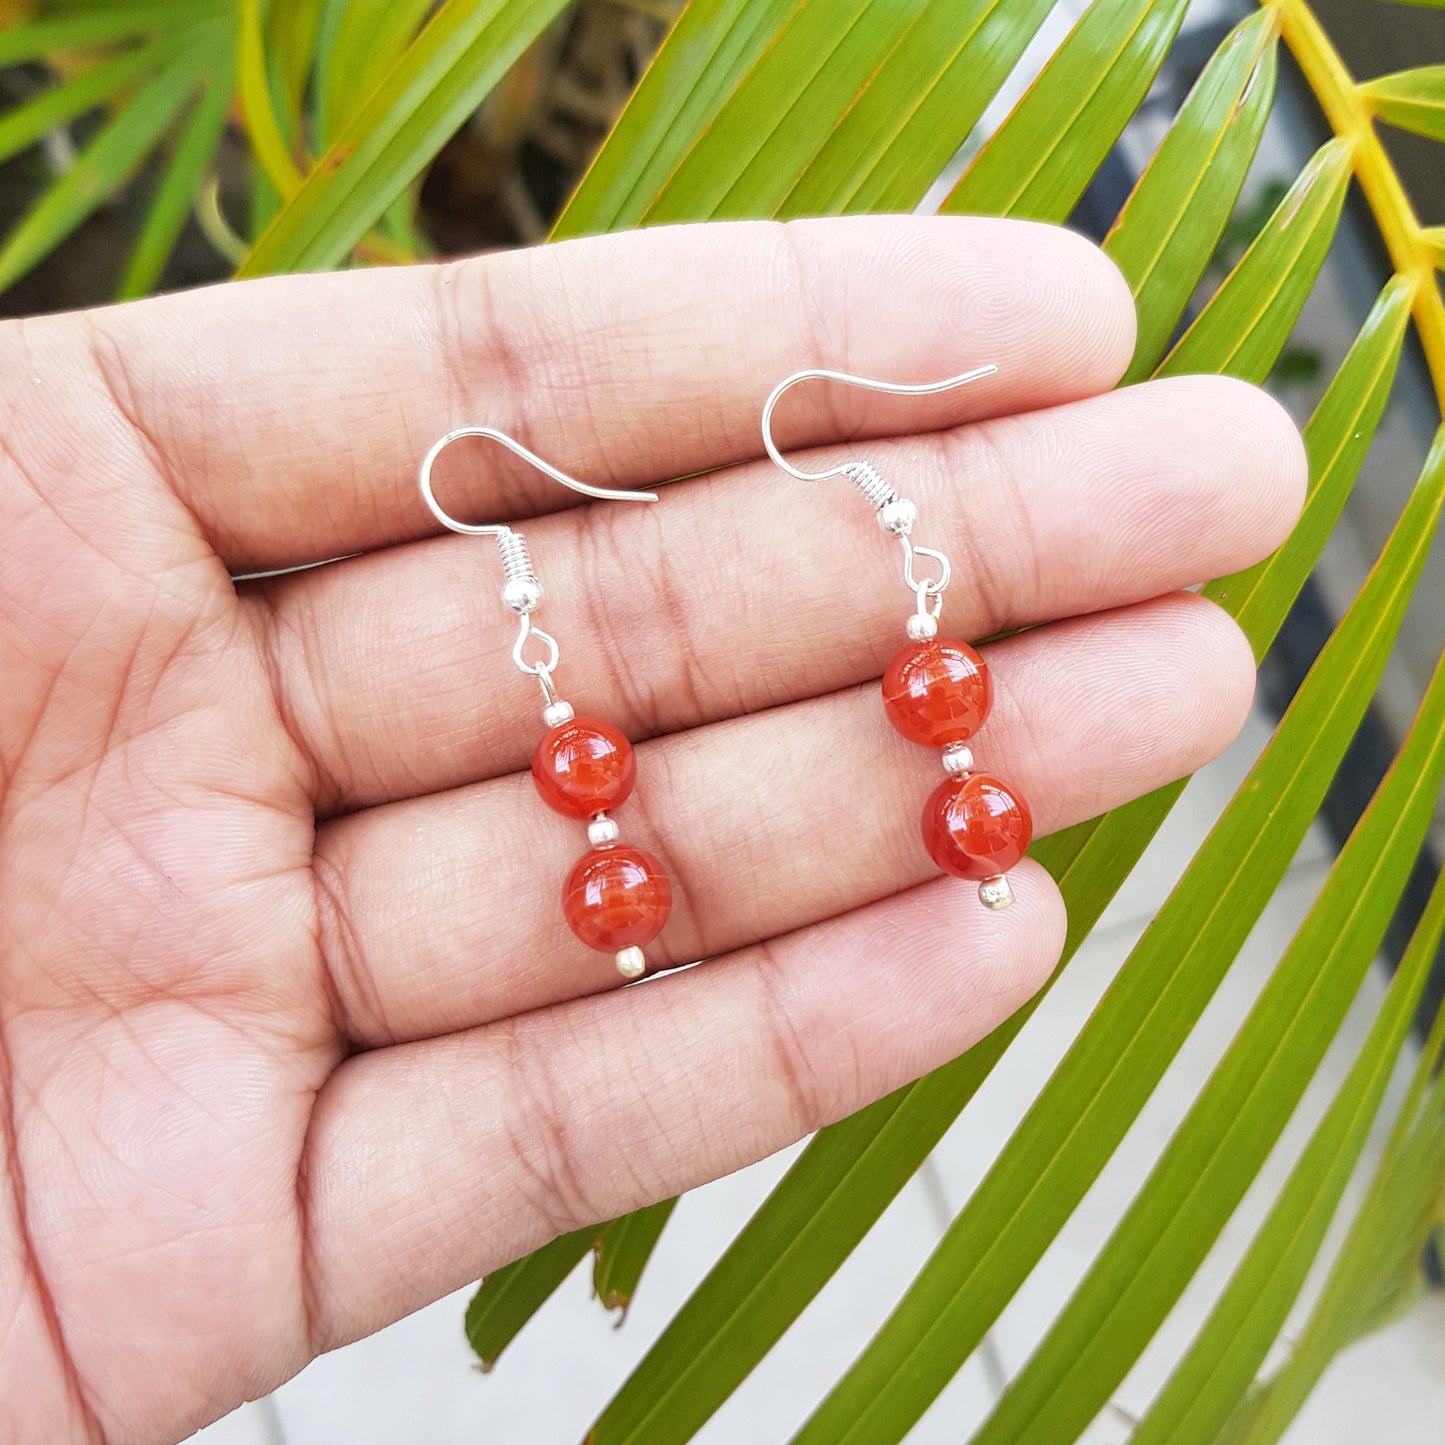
(1171, 225)
(623, 1250)
(794, 107)
(109, 159)
(1413, 100)
(436, 82)
(1039, 161)
(1195, 1404)
(732, 117)
(1227, 1134)
(176, 195)
(514, 1293)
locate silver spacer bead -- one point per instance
(898, 516)
(522, 594)
(922, 626)
(995, 892)
(602, 831)
(556, 713)
(957, 758)
(630, 962)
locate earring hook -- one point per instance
(867, 383)
(498, 529)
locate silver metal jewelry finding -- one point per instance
(557, 713)
(493, 529)
(922, 626)
(630, 962)
(957, 758)
(868, 383)
(602, 831)
(896, 514)
(995, 892)
(521, 589)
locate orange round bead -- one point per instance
(975, 827)
(937, 693)
(617, 898)
(583, 767)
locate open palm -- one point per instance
(293, 1037)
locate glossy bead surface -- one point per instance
(976, 827)
(617, 898)
(936, 693)
(583, 766)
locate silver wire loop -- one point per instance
(494, 529)
(519, 652)
(867, 383)
(925, 587)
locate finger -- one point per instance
(445, 913)
(291, 413)
(432, 1163)
(742, 591)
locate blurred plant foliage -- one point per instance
(799, 107)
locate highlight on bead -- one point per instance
(617, 898)
(976, 827)
(937, 692)
(583, 767)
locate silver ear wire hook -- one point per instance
(494, 529)
(867, 383)
(896, 514)
(521, 589)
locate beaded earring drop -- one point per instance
(617, 897)
(936, 691)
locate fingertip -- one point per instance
(1226, 684)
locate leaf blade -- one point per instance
(1413, 100)
(1172, 222)
(434, 85)
(60, 104)
(1256, 307)
(510, 1296)
(177, 192)
(105, 163)
(623, 1252)
(1194, 1405)
(1038, 163)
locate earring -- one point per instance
(936, 691)
(617, 898)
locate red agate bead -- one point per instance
(975, 827)
(583, 766)
(936, 693)
(617, 898)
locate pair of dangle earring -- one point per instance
(617, 898)
(936, 691)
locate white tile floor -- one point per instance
(416, 1381)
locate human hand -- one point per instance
(295, 1038)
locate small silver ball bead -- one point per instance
(602, 831)
(631, 963)
(898, 516)
(522, 594)
(995, 892)
(922, 626)
(556, 713)
(957, 758)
